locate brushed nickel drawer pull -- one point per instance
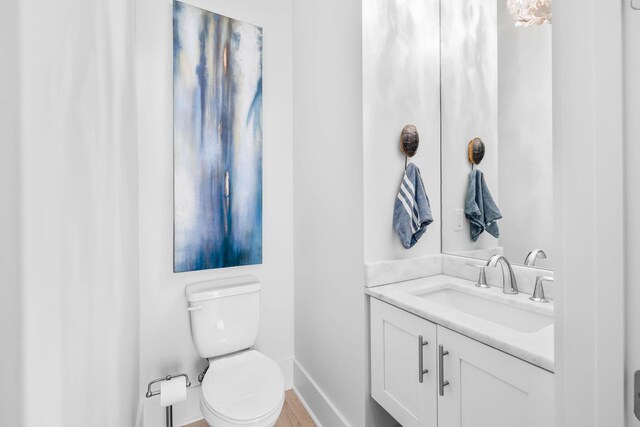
(441, 382)
(421, 370)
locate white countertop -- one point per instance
(535, 348)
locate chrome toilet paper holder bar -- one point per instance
(149, 393)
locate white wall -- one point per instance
(469, 110)
(632, 195)
(328, 168)
(165, 338)
(526, 141)
(589, 206)
(10, 368)
(79, 213)
(401, 85)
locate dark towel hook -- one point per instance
(409, 142)
(475, 151)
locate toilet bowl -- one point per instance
(246, 389)
(242, 386)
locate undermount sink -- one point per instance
(503, 314)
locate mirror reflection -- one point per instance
(496, 86)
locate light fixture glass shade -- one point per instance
(530, 12)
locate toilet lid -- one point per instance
(243, 387)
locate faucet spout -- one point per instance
(509, 286)
(533, 256)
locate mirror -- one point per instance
(496, 86)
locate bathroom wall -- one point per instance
(632, 195)
(165, 338)
(401, 85)
(10, 183)
(79, 229)
(589, 160)
(469, 110)
(328, 193)
(526, 141)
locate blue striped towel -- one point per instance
(411, 213)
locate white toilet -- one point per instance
(242, 387)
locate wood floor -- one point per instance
(293, 414)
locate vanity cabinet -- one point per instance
(479, 385)
(406, 388)
(489, 388)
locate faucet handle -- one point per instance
(538, 291)
(482, 278)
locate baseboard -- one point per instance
(187, 421)
(307, 407)
(315, 401)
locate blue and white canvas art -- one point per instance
(217, 122)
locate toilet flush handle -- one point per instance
(195, 308)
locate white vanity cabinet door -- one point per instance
(395, 365)
(489, 388)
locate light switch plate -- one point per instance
(458, 220)
(635, 4)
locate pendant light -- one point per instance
(527, 13)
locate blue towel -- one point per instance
(411, 213)
(480, 208)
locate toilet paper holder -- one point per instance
(150, 393)
(169, 409)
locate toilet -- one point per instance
(242, 387)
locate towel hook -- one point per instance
(409, 142)
(475, 151)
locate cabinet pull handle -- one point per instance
(421, 370)
(441, 382)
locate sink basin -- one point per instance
(506, 315)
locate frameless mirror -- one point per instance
(496, 86)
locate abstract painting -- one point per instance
(217, 125)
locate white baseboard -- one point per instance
(188, 421)
(307, 407)
(315, 401)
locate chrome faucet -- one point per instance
(533, 256)
(512, 287)
(538, 291)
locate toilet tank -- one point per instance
(225, 315)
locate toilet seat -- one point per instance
(242, 389)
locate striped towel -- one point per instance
(411, 213)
